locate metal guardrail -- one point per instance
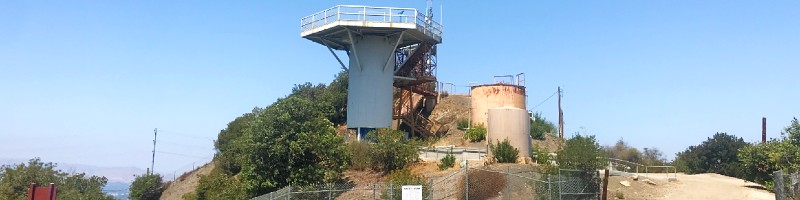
(370, 14)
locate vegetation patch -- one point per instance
(476, 133)
(504, 152)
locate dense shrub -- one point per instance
(462, 124)
(15, 180)
(540, 155)
(718, 154)
(147, 187)
(391, 151)
(218, 185)
(447, 161)
(359, 155)
(504, 152)
(762, 159)
(476, 133)
(581, 153)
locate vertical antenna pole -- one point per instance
(560, 116)
(763, 129)
(153, 161)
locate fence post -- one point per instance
(605, 185)
(549, 188)
(505, 192)
(373, 190)
(430, 188)
(289, 194)
(466, 170)
(778, 177)
(330, 186)
(391, 189)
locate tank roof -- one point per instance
(498, 84)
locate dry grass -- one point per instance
(186, 183)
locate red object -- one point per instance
(42, 193)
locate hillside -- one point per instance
(186, 183)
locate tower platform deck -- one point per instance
(330, 27)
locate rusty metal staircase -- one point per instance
(415, 81)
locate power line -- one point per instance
(545, 100)
(185, 145)
(179, 154)
(185, 135)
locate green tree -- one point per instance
(291, 138)
(336, 96)
(653, 157)
(15, 180)
(391, 150)
(792, 132)
(147, 187)
(540, 126)
(621, 150)
(580, 152)
(718, 154)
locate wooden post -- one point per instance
(605, 185)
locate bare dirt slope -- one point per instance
(186, 183)
(687, 187)
(716, 187)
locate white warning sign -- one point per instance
(412, 192)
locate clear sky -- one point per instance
(88, 81)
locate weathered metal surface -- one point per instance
(485, 97)
(513, 124)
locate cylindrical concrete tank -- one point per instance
(513, 124)
(486, 97)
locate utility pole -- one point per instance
(560, 116)
(153, 162)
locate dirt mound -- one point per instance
(186, 183)
(447, 112)
(551, 143)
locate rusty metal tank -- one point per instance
(490, 96)
(513, 124)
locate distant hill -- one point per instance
(114, 174)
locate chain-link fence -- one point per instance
(787, 185)
(472, 183)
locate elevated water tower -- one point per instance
(386, 47)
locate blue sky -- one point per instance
(88, 81)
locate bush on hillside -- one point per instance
(761, 160)
(476, 133)
(581, 153)
(391, 150)
(540, 126)
(360, 153)
(218, 185)
(504, 152)
(147, 187)
(718, 155)
(462, 124)
(447, 161)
